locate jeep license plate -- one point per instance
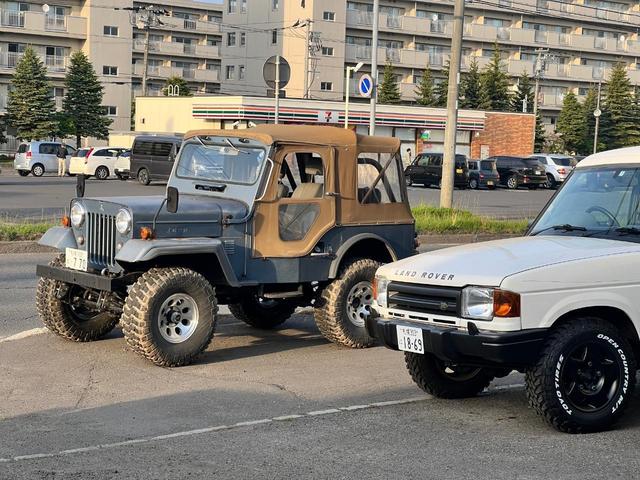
(410, 339)
(75, 259)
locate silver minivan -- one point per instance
(38, 157)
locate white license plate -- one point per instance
(538, 172)
(410, 339)
(75, 259)
(489, 182)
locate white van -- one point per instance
(98, 161)
(38, 157)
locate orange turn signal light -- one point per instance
(66, 221)
(146, 233)
(506, 304)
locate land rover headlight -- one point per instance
(77, 215)
(123, 221)
(380, 285)
(482, 303)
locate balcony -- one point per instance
(37, 23)
(191, 74)
(56, 64)
(179, 49)
(552, 100)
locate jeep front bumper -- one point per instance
(87, 279)
(508, 349)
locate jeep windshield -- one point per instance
(220, 160)
(595, 202)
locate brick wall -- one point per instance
(504, 134)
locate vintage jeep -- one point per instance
(264, 220)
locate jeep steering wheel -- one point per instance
(605, 212)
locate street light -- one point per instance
(347, 77)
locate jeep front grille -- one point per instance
(418, 298)
(101, 239)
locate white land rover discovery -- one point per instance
(561, 304)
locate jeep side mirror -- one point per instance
(172, 199)
(80, 185)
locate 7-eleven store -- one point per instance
(421, 129)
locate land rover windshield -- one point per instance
(595, 202)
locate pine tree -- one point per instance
(524, 90)
(441, 89)
(3, 129)
(588, 107)
(495, 84)
(30, 107)
(619, 122)
(424, 90)
(572, 124)
(470, 86)
(83, 100)
(180, 83)
(541, 135)
(389, 91)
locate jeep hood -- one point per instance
(489, 263)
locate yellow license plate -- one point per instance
(458, 170)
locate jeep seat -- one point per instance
(374, 197)
(308, 190)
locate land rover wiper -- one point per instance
(567, 227)
(628, 231)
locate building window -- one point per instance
(232, 6)
(110, 110)
(329, 16)
(109, 70)
(110, 31)
(241, 72)
(231, 39)
(243, 6)
(327, 51)
(231, 72)
(243, 39)
(274, 36)
(275, 4)
(326, 86)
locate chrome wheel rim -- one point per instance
(512, 183)
(359, 303)
(102, 173)
(142, 176)
(473, 184)
(37, 171)
(178, 318)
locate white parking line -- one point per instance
(24, 334)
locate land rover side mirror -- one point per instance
(172, 199)
(80, 185)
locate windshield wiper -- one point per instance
(628, 231)
(228, 142)
(566, 227)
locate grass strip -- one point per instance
(435, 220)
(22, 231)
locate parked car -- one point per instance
(152, 157)
(483, 173)
(95, 161)
(38, 157)
(517, 171)
(123, 165)
(556, 167)
(426, 169)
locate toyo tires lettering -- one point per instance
(556, 378)
(625, 364)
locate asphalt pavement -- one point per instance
(47, 197)
(278, 404)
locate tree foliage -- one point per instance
(389, 90)
(541, 135)
(82, 103)
(619, 120)
(471, 86)
(495, 84)
(572, 124)
(524, 93)
(424, 90)
(180, 83)
(441, 89)
(30, 106)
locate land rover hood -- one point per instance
(489, 263)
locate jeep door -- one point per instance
(299, 203)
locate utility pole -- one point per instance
(539, 69)
(448, 161)
(307, 47)
(596, 113)
(145, 58)
(525, 100)
(374, 67)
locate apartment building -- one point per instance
(584, 39)
(186, 43)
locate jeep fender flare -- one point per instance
(136, 251)
(344, 248)
(59, 238)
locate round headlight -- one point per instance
(77, 215)
(123, 221)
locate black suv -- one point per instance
(426, 169)
(152, 157)
(517, 171)
(483, 173)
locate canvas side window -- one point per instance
(301, 179)
(379, 177)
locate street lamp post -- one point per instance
(596, 113)
(347, 77)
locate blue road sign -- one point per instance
(365, 85)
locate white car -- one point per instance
(123, 165)
(98, 161)
(38, 157)
(561, 304)
(557, 167)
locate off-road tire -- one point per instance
(546, 394)
(330, 311)
(58, 317)
(102, 173)
(37, 170)
(23, 173)
(143, 176)
(252, 313)
(139, 318)
(429, 374)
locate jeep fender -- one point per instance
(59, 238)
(344, 248)
(135, 251)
